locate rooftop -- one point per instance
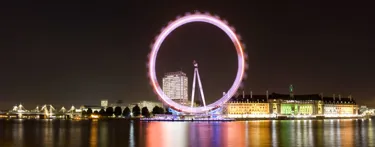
(305, 97)
(179, 73)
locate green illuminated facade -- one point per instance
(306, 109)
(284, 104)
(289, 109)
(297, 109)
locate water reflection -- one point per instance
(50, 133)
(370, 133)
(216, 139)
(274, 132)
(131, 135)
(103, 133)
(167, 135)
(346, 133)
(18, 132)
(75, 133)
(94, 134)
(259, 133)
(47, 133)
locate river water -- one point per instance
(124, 133)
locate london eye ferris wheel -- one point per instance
(241, 60)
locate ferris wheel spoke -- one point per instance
(201, 89)
(193, 91)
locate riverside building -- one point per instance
(290, 105)
(338, 106)
(247, 106)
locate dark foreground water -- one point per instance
(123, 133)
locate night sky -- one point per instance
(72, 54)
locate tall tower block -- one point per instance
(175, 86)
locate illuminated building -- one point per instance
(175, 86)
(104, 103)
(284, 104)
(290, 105)
(247, 106)
(336, 107)
(363, 109)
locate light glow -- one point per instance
(177, 23)
(94, 116)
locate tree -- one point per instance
(84, 113)
(145, 112)
(109, 111)
(126, 112)
(161, 110)
(136, 110)
(89, 111)
(118, 111)
(157, 110)
(102, 112)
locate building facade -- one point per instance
(340, 106)
(290, 105)
(296, 105)
(104, 103)
(247, 106)
(175, 86)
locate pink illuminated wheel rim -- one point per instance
(189, 18)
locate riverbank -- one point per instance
(200, 119)
(286, 118)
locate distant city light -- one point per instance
(94, 116)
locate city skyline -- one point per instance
(77, 54)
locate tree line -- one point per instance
(136, 111)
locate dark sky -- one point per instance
(71, 53)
